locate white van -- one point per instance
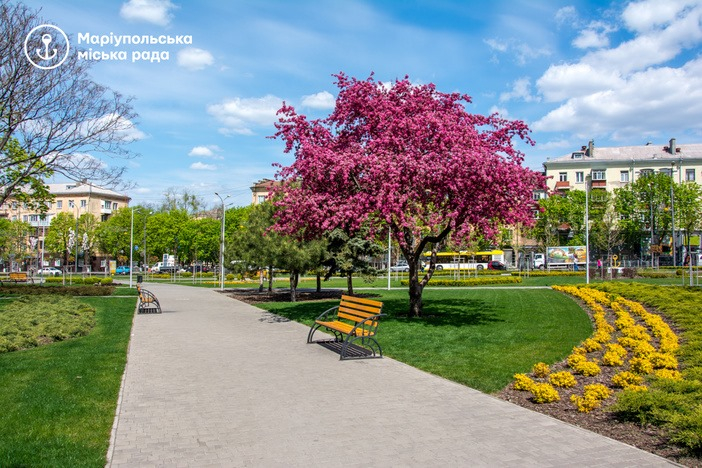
(539, 261)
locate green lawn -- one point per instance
(58, 401)
(479, 338)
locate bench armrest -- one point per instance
(362, 323)
(326, 312)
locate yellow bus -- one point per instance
(465, 260)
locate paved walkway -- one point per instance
(215, 382)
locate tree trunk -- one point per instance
(349, 283)
(416, 288)
(270, 278)
(294, 275)
(260, 280)
(319, 282)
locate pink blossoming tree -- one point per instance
(408, 158)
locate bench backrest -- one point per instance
(18, 275)
(358, 309)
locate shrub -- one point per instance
(668, 374)
(640, 365)
(585, 404)
(612, 359)
(598, 391)
(540, 369)
(626, 379)
(562, 379)
(106, 281)
(522, 382)
(576, 359)
(663, 361)
(591, 345)
(628, 272)
(472, 281)
(587, 368)
(544, 393)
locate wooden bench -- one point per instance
(19, 277)
(353, 322)
(148, 304)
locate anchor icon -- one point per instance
(46, 40)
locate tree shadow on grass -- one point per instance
(445, 312)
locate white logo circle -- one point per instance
(53, 46)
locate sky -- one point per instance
(620, 73)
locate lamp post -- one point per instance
(221, 245)
(146, 217)
(672, 210)
(588, 178)
(131, 248)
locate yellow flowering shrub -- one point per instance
(636, 332)
(637, 388)
(643, 349)
(617, 349)
(640, 365)
(544, 393)
(591, 345)
(579, 350)
(601, 336)
(663, 361)
(575, 359)
(612, 359)
(626, 379)
(587, 368)
(541, 369)
(598, 391)
(522, 382)
(668, 374)
(563, 379)
(585, 404)
(627, 342)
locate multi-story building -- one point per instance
(76, 198)
(614, 167)
(261, 189)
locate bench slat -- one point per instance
(362, 308)
(345, 328)
(361, 300)
(358, 313)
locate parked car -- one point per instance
(400, 266)
(496, 265)
(49, 271)
(198, 269)
(122, 270)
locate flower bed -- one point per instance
(629, 345)
(471, 281)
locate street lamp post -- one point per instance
(672, 210)
(588, 178)
(146, 217)
(131, 249)
(221, 244)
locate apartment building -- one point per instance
(76, 198)
(614, 167)
(261, 189)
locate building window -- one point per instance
(598, 174)
(579, 177)
(261, 198)
(14, 205)
(34, 218)
(71, 204)
(14, 217)
(667, 171)
(563, 176)
(25, 218)
(59, 204)
(83, 203)
(646, 172)
(114, 206)
(623, 176)
(107, 204)
(689, 175)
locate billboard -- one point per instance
(566, 255)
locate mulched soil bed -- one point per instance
(649, 438)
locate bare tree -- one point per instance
(58, 116)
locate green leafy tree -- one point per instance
(23, 177)
(113, 235)
(688, 209)
(57, 237)
(606, 232)
(14, 243)
(349, 255)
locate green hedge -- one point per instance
(549, 273)
(471, 281)
(89, 280)
(56, 289)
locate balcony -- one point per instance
(599, 184)
(563, 185)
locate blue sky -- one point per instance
(621, 73)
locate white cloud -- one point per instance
(151, 11)
(594, 36)
(631, 89)
(322, 100)
(521, 51)
(124, 129)
(199, 166)
(645, 15)
(193, 58)
(504, 113)
(521, 90)
(206, 152)
(238, 115)
(566, 16)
